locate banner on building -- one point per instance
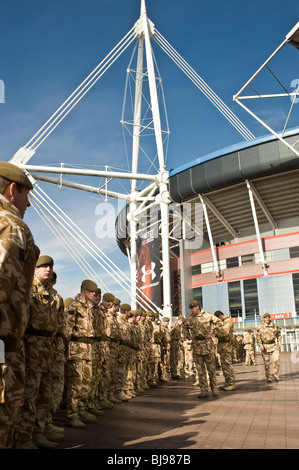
(148, 268)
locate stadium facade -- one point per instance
(248, 263)
(244, 259)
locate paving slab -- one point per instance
(257, 415)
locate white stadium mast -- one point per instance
(157, 191)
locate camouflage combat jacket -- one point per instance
(267, 336)
(249, 341)
(99, 322)
(112, 326)
(100, 345)
(18, 256)
(135, 336)
(42, 326)
(148, 332)
(125, 331)
(225, 335)
(59, 344)
(176, 333)
(156, 341)
(198, 327)
(165, 341)
(79, 329)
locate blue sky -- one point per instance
(48, 48)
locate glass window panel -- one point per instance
(197, 294)
(267, 256)
(234, 299)
(296, 291)
(222, 264)
(196, 269)
(278, 255)
(294, 252)
(251, 298)
(247, 259)
(207, 268)
(232, 262)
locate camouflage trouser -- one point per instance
(142, 367)
(205, 363)
(123, 364)
(145, 360)
(154, 362)
(250, 357)
(176, 358)
(266, 355)
(79, 376)
(37, 399)
(188, 359)
(94, 385)
(14, 378)
(104, 379)
(113, 367)
(153, 369)
(227, 367)
(165, 364)
(58, 381)
(132, 371)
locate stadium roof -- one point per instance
(222, 180)
(251, 159)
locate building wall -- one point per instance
(243, 289)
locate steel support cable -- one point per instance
(217, 103)
(121, 276)
(207, 91)
(74, 234)
(82, 89)
(56, 230)
(202, 85)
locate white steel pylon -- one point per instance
(291, 38)
(144, 30)
(157, 190)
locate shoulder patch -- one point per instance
(71, 312)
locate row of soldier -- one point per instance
(85, 352)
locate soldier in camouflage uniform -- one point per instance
(104, 345)
(59, 367)
(123, 353)
(199, 329)
(189, 364)
(18, 258)
(154, 359)
(177, 348)
(146, 334)
(224, 333)
(240, 348)
(39, 350)
(269, 341)
(135, 344)
(165, 349)
(249, 347)
(79, 333)
(114, 335)
(92, 404)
